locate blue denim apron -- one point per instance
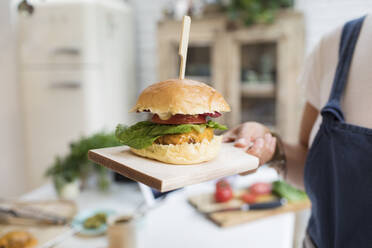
(338, 172)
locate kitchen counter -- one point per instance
(174, 223)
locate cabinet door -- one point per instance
(53, 116)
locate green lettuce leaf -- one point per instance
(144, 133)
(216, 125)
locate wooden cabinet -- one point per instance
(254, 67)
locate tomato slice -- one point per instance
(180, 119)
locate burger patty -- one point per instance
(190, 138)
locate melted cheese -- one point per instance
(164, 116)
(190, 138)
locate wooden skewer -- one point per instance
(184, 41)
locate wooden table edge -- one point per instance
(281, 210)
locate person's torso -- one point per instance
(357, 100)
(338, 170)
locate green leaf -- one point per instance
(216, 125)
(144, 133)
(138, 136)
(75, 164)
(256, 11)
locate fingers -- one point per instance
(251, 131)
(228, 137)
(268, 142)
(235, 134)
(263, 148)
(256, 149)
(241, 138)
(248, 172)
(242, 131)
(245, 132)
(272, 146)
(243, 143)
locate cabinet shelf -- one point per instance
(258, 90)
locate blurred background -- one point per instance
(71, 69)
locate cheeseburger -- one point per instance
(181, 130)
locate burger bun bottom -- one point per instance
(182, 154)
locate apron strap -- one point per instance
(349, 38)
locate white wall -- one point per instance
(12, 173)
(147, 14)
(321, 16)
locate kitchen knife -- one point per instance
(33, 214)
(256, 206)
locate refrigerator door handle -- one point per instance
(65, 85)
(70, 51)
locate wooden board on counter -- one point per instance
(165, 177)
(205, 203)
(43, 233)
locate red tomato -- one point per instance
(260, 188)
(249, 198)
(223, 194)
(180, 119)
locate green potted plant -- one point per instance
(70, 172)
(256, 11)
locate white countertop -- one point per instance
(174, 223)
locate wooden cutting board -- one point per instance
(43, 233)
(165, 177)
(205, 203)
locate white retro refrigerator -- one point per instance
(76, 63)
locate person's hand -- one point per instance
(255, 138)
